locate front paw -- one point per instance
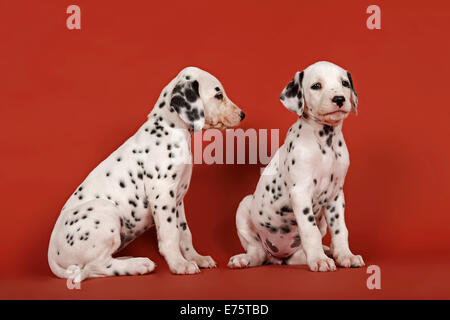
(203, 261)
(239, 261)
(349, 260)
(184, 267)
(321, 263)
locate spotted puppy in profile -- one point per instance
(300, 192)
(142, 184)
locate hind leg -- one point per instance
(255, 254)
(121, 266)
(186, 246)
(84, 240)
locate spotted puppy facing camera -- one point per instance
(142, 184)
(300, 192)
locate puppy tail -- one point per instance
(71, 272)
(76, 273)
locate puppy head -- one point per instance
(201, 102)
(327, 90)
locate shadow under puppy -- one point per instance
(301, 190)
(142, 184)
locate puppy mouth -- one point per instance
(218, 125)
(230, 121)
(335, 112)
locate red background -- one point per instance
(69, 98)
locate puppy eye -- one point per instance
(345, 83)
(316, 86)
(219, 96)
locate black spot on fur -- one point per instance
(329, 140)
(285, 229)
(178, 102)
(296, 241)
(132, 203)
(291, 89)
(271, 246)
(191, 96)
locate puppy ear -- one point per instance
(354, 96)
(185, 100)
(292, 96)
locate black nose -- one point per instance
(339, 100)
(242, 115)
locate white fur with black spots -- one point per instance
(142, 184)
(300, 192)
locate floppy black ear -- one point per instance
(292, 96)
(354, 97)
(185, 100)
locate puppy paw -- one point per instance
(321, 263)
(349, 260)
(239, 261)
(184, 267)
(203, 261)
(142, 266)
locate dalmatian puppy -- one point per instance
(300, 192)
(142, 184)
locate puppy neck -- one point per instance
(164, 114)
(168, 118)
(319, 128)
(315, 122)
